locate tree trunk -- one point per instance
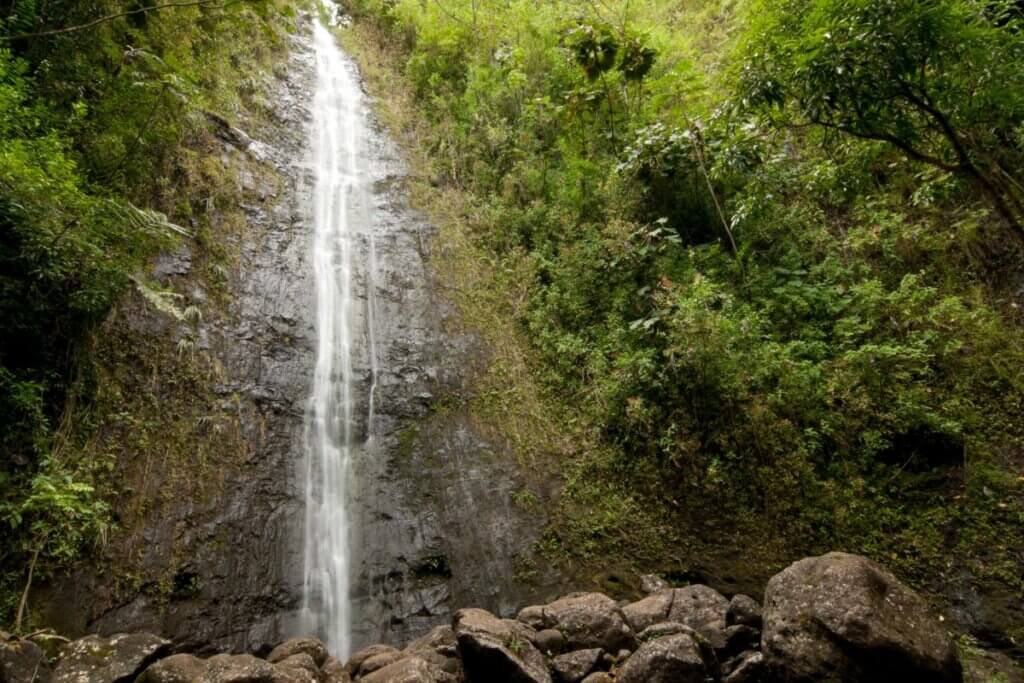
(24, 595)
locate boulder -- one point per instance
(494, 649)
(699, 607)
(666, 628)
(743, 610)
(300, 660)
(300, 668)
(533, 616)
(408, 670)
(119, 658)
(242, 669)
(437, 660)
(439, 639)
(22, 661)
(841, 617)
(438, 647)
(333, 671)
(356, 660)
(649, 611)
(379, 661)
(599, 677)
(591, 620)
(750, 669)
(179, 668)
(572, 667)
(549, 641)
(301, 645)
(670, 659)
(702, 609)
(652, 583)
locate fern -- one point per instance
(22, 18)
(145, 220)
(162, 300)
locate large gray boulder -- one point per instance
(406, 670)
(115, 659)
(180, 668)
(437, 647)
(299, 667)
(22, 661)
(301, 645)
(649, 611)
(378, 662)
(534, 617)
(333, 671)
(356, 660)
(550, 641)
(701, 608)
(439, 639)
(670, 659)
(242, 669)
(841, 617)
(573, 667)
(591, 620)
(744, 611)
(494, 649)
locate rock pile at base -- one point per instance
(834, 618)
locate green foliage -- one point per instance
(594, 49)
(57, 517)
(937, 80)
(847, 373)
(94, 126)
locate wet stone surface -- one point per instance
(435, 525)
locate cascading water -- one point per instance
(333, 437)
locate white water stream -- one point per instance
(333, 437)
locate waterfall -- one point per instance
(332, 434)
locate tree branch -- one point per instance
(111, 17)
(903, 146)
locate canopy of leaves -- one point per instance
(938, 79)
(93, 124)
(860, 351)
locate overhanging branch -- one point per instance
(111, 17)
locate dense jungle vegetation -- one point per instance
(768, 252)
(104, 125)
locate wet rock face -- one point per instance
(217, 571)
(841, 617)
(434, 522)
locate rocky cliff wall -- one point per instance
(209, 546)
